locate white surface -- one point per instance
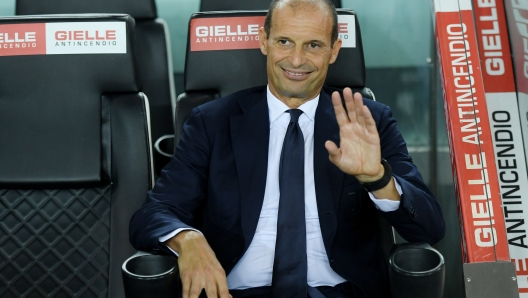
(348, 38)
(60, 38)
(451, 5)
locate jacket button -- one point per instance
(412, 212)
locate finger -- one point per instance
(216, 286)
(358, 101)
(223, 291)
(370, 124)
(186, 286)
(211, 290)
(196, 288)
(333, 151)
(339, 110)
(350, 104)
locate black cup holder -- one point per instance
(146, 275)
(417, 271)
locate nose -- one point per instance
(297, 58)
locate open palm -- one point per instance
(359, 153)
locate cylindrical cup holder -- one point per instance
(417, 271)
(148, 275)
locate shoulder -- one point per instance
(231, 104)
(377, 109)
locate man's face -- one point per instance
(298, 51)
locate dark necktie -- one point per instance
(290, 266)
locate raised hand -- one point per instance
(359, 153)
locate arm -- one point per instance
(179, 191)
(419, 217)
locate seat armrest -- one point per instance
(416, 270)
(151, 275)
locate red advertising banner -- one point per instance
(63, 38)
(210, 34)
(494, 46)
(470, 139)
(239, 33)
(22, 39)
(503, 112)
(517, 19)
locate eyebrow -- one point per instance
(281, 37)
(310, 41)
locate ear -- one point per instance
(263, 38)
(335, 50)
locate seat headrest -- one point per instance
(212, 5)
(138, 9)
(223, 52)
(54, 70)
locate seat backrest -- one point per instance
(215, 5)
(71, 120)
(138, 9)
(223, 48)
(153, 53)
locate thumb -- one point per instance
(333, 151)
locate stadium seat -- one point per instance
(215, 5)
(75, 154)
(154, 60)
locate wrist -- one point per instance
(371, 178)
(380, 180)
(180, 241)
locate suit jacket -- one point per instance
(215, 182)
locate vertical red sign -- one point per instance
(474, 169)
(497, 68)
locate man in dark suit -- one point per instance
(216, 205)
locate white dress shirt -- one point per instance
(255, 268)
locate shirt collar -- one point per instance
(277, 108)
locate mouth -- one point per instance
(296, 75)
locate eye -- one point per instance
(284, 42)
(314, 45)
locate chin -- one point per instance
(296, 91)
(295, 94)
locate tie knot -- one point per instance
(295, 114)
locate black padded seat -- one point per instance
(232, 66)
(153, 53)
(75, 154)
(216, 5)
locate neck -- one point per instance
(292, 102)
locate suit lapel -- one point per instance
(250, 139)
(328, 178)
